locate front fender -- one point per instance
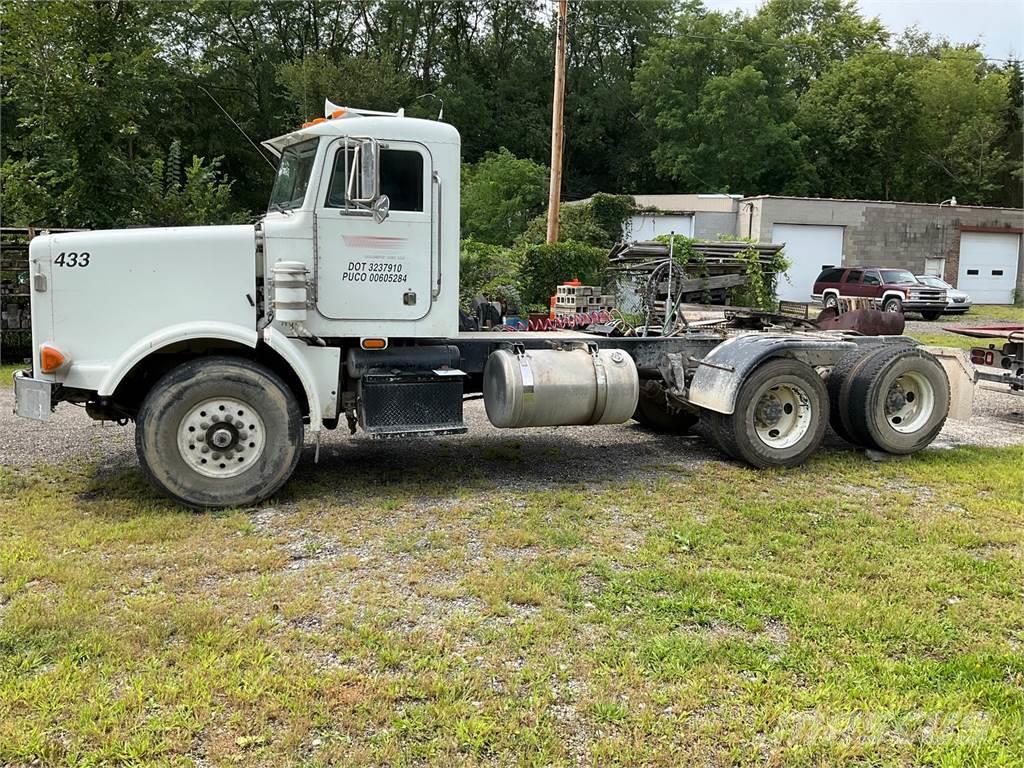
(722, 372)
(318, 368)
(171, 335)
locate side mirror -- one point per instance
(381, 207)
(364, 181)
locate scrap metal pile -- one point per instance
(661, 282)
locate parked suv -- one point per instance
(894, 290)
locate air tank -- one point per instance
(559, 387)
(289, 291)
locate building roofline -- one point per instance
(877, 202)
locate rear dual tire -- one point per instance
(893, 398)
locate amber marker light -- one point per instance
(374, 343)
(50, 358)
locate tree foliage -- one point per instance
(500, 194)
(803, 96)
(545, 266)
(597, 222)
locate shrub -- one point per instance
(543, 267)
(483, 264)
(598, 222)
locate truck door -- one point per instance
(369, 270)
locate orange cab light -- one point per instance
(50, 358)
(337, 113)
(374, 343)
(307, 124)
(318, 120)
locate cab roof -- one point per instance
(347, 121)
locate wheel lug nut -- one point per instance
(228, 455)
(243, 435)
(216, 455)
(204, 425)
(200, 438)
(215, 417)
(205, 449)
(239, 423)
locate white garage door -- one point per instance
(647, 226)
(809, 248)
(988, 266)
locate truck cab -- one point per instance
(366, 203)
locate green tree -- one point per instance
(957, 146)
(180, 196)
(500, 194)
(1012, 179)
(858, 118)
(723, 123)
(76, 110)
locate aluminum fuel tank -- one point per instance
(559, 387)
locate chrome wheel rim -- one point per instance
(909, 402)
(221, 437)
(782, 416)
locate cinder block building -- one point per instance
(974, 248)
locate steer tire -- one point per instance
(170, 417)
(652, 412)
(737, 433)
(877, 386)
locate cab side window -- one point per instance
(872, 278)
(336, 196)
(401, 179)
(853, 276)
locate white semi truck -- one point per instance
(226, 344)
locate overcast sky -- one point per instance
(997, 24)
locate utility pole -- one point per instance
(555, 189)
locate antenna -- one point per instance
(440, 114)
(229, 117)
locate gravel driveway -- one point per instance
(518, 457)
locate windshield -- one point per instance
(293, 176)
(897, 276)
(934, 282)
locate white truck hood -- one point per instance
(111, 293)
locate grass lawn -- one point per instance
(7, 374)
(1006, 313)
(847, 612)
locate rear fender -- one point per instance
(722, 372)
